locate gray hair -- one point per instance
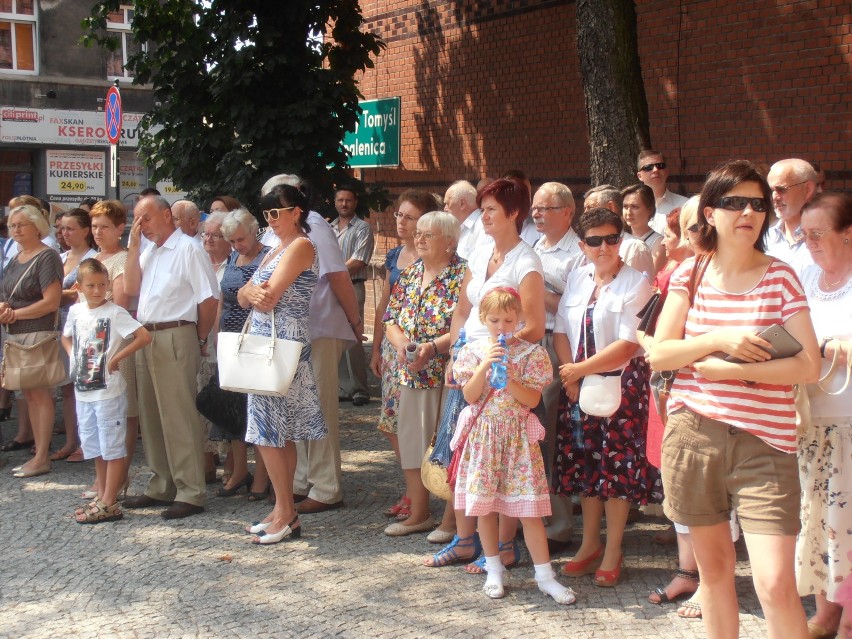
(216, 217)
(188, 208)
(461, 190)
(239, 218)
(802, 170)
(559, 191)
(606, 193)
(277, 180)
(35, 216)
(161, 202)
(441, 221)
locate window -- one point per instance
(119, 25)
(18, 36)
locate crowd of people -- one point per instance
(653, 349)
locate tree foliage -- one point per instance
(244, 89)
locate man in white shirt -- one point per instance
(552, 213)
(178, 299)
(187, 218)
(793, 182)
(653, 170)
(334, 323)
(633, 251)
(460, 201)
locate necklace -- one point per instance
(827, 284)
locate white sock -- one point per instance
(546, 580)
(494, 578)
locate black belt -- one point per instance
(162, 326)
(360, 280)
(548, 331)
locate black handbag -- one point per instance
(649, 314)
(226, 409)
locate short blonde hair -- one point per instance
(35, 216)
(502, 298)
(688, 217)
(441, 221)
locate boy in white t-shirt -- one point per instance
(92, 337)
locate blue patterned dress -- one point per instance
(273, 421)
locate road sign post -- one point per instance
(114, 116)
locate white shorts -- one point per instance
(103, 428)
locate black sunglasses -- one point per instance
(596, 240)
(692, 228)
(739, 203)
(654, 165)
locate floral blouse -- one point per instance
(425, 316)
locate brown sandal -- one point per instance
(98, 512)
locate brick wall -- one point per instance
(490, 85)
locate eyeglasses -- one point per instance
(212, 236)
(692, 228)
(270, 215)
(815, 236)
(404, 217)
(426, 236)
(596, 240)
(654, 165)
(781, 190)
(738, 203)
(20, 225)
(544, 209)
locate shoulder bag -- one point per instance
(31, 366)
(600, 394)
(256, 364)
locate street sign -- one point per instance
(114, 115)
(375, 141)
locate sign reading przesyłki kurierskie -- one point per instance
(375, 141)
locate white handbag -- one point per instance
(600, 395)
(256, 364)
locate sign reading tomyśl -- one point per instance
(375, 141)
(22, 125)
(73, 176)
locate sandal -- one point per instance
(404, 503)
(478, 567)
(448, 554)
(15, 445)
(98, 512)
(59, 455)
(689, 610)
(76, 457)
(259, 496)
(662, 597)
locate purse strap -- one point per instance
(23, 275)
(827, 376)
(613, 373)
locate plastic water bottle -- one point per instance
(577, 427)
(460, 342)
(500, 370)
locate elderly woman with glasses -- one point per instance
(730, 440)
(417, 324)
(602, 459)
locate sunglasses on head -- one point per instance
(692, 228)
(596, 240)
(739, 203)
(654, 165)
(270, 215)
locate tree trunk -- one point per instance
(616, 106)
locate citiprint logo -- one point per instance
(21, 115)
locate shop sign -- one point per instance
(169, 191)
(132, 174)
(375, 141)
(23, 125)
(73, 176)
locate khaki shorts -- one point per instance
(710, 468)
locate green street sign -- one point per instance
(375, 141)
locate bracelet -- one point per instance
(434, 346)
(822, 346)
(202, 342)
(356, 324)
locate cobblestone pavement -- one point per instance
(199, 577)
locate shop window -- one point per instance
(18, 22)
(119, 25)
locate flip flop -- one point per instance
(689, 610)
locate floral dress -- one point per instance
(501, 469)
(611, 462)
(273, 421)
(390, 378)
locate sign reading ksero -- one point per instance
(375, 141)
(113, 115)
(73, 176)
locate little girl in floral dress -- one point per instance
(501, 469)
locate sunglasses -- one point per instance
(654, 165)
(270, 215)
(596, 240)
(692, 228)
(738, 203)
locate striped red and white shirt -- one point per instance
(765, 410)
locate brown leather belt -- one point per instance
(162, 326)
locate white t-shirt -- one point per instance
(97, 334)
(517, 264)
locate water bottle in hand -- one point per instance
(500, 370)
(460, 342)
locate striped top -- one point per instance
(765, 410)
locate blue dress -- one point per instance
(273, 421)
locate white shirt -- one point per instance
(327, 317)
(666, 205)
(176, 278)
(97, 335)
(529, 233)
(615, 313)
(557, 261)
(472, 235)
(796, 254)
(517, 264)
(637, 255)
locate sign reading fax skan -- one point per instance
(21, 125)
(375, 141)
(73, 176)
